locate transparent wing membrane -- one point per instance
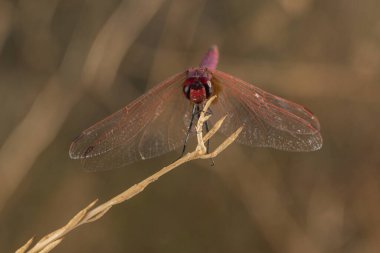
(268, 120)
(157, 122)
(150, 126)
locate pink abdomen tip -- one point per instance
(210, 60)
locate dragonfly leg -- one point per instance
(208, 112)
(196, 112)
(193, 113)
(208, 143)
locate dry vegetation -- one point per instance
(92, 213)
(66, 64)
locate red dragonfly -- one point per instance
(160, 120)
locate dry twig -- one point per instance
(90, 214)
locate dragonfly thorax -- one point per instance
(197, 90)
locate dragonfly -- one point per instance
(160, 121)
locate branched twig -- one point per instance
(90, 214)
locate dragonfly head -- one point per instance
(197, 89)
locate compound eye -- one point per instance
(186, 91)
(209, 89)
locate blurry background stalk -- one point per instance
(66, 64)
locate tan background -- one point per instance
(66, 64)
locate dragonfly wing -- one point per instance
(150, 126)
(268, 120)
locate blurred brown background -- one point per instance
(66, 64)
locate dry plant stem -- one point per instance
(90, 214)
